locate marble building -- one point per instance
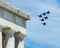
(12, 25)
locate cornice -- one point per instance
(11, 8)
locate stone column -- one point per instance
(0, 37)
(9, 39)
(19, 41)
(2, 40)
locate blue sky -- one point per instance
(40, 36)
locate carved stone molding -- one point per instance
(15, 10)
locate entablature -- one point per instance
(11, 8)
(6, 24)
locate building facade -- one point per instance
(12, 25)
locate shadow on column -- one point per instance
(18, 40)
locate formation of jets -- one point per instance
(43, 17)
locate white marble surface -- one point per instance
(11, 8)
(0, 37)
(12, 21)
(13, 26)
(9, 39)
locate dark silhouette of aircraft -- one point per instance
(43, 17)
(44, 23)
(46, 17)
(48, 12)
(44, 13)
(40, 16)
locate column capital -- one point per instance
(19, 35)
(19, 39)
(1, 27)
(8, 30)
(4, 27)
(9, 39)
